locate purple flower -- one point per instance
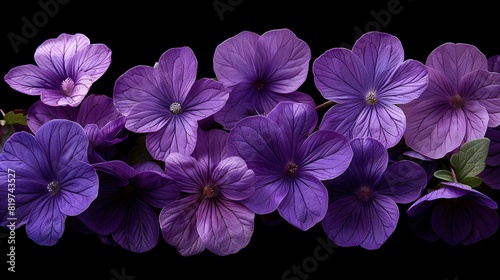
(126, 205)
(166, 102)
(66, 68)
(103, 124)
(461, 101)
(455, 213)
(363, 210)
(210, 215)
(289, 161)
(260, 71)
(367, 84)
(49, 177)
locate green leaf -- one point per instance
(12, 118)
(472, 181)
(444, 175)
(469, 161)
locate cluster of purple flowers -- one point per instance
(398, 132)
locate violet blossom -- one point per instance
(66, 67)
(290, 160)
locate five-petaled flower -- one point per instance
(67, 66)
(53, 179)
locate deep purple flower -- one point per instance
(166, 102)
(260, 71)
(461, 101)
(49, 177)
(289, 161)
(126, 205)
(363, 210)
(210, 215)
(66, 68)
(455, 213)
(367, 84)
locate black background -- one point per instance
(138, 32)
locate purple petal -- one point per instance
(234, 58)
(456, 60)
(210, 147)
(296, 120)
(64, 141)
(97, 109)
(93, 60)
(403, 181)
(205, 98)
(178, 67)
(350, 222)
(57, 53)
(186, 172)
(380, 53)
(341, 118)
(305, 203)
(225, 227)
(40, 113)
(484, 88)
(270, 190)
(234, 178)
(433, 129)
(494, 63)
(58, 97)
(79, 187)
(178, 226)
(138, 84)
(258, 140)
(494, 150)
(148, 117)
(155, 188)
(340, 76)
(324, 154)
(476, 121)
(283, 59)
(179, 135)
(140, 232)
(406, 83)
(45, 224)
(32, 80)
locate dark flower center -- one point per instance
(175, 108)
(53, 187)
(371, 98)
(259, 84)
(68, 85)
(291, 168)
(128, 191)
(457, 101)
(209, 191)
(364, 193)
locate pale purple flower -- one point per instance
(102, 123)
(49, 178)
(66, 67)
(260, 71)
(367, 84)
(363, 209)
(455, 213)
(290, 160)
(166, 101)
(127, 204)
(461, 101)
(210, 215)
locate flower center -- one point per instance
(457, 101)
(209, 191)
(128, 190)
(67, 86)
(291, 168)
(371, 98)
(175, 108)
(364, 193)
(53, 186)
(259, 84)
